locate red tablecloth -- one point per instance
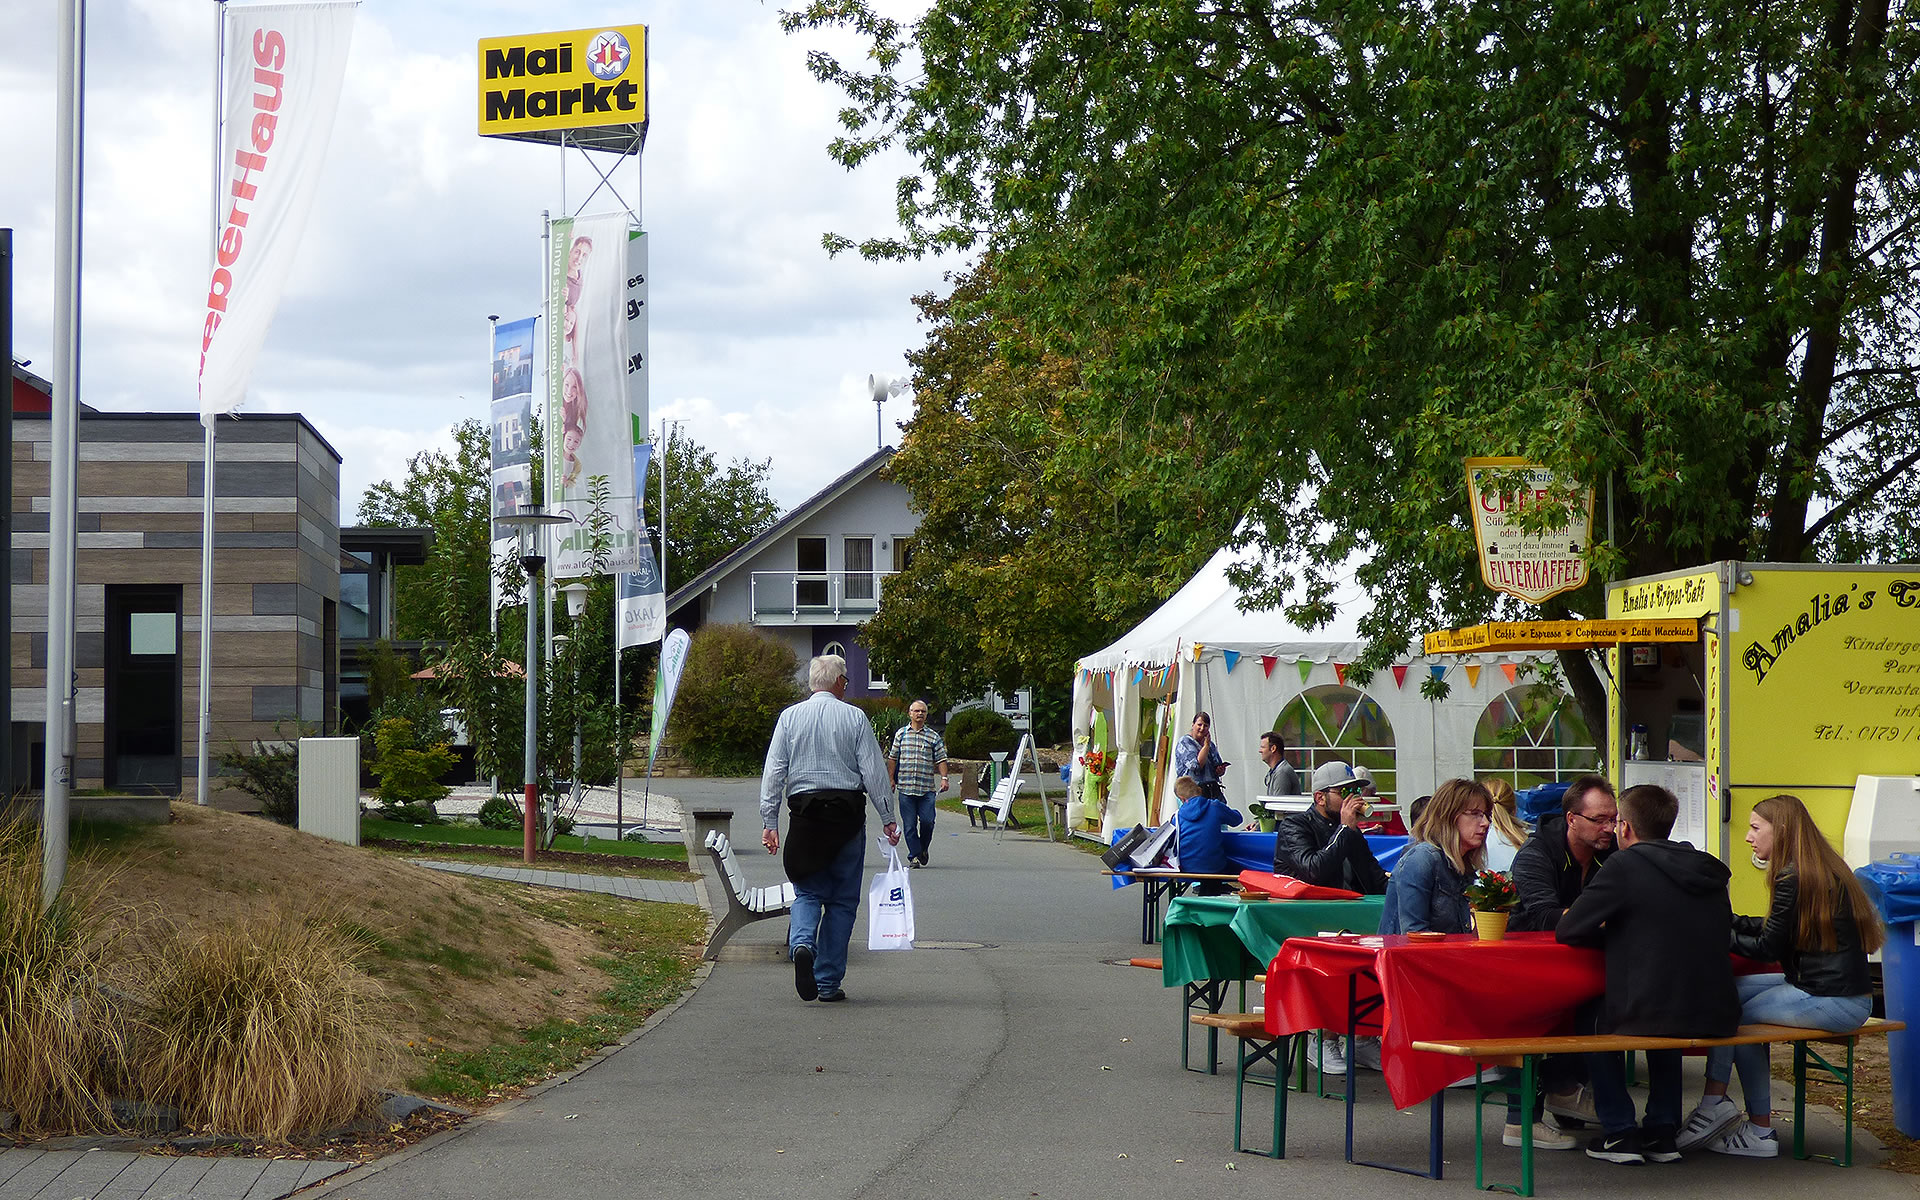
(1459, 987)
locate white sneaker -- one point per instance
(1366, 1053)
(1748, 1141)
(1545, 1137)
(1576, 1104)
(1714, 1116)
(1326, 1053)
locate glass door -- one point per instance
(143, 689)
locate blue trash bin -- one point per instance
(1894, 887)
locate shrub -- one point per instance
(412, 814)
(979, 732)
(262, 1027)
(408, 772)
(501, 813)
(270, 774)
(735, 684)
(62, 1049)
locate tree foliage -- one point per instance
(1670, 249)
(711, 511)
(735, 683)
(446, 596)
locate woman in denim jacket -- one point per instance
(1428, 890)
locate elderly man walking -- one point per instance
(917, 753)
(825, 763)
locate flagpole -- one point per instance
(206, 472)
(70, 122)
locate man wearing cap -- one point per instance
(1324, 845)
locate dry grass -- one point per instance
(262, 1026)
(61, 1049)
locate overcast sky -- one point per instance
(761, 344)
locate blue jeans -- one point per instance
(916, 822)
(824, 906)
(1771, 1000)
(1613, 1104)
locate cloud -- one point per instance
(421, 228)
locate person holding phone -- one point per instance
(1196, 757)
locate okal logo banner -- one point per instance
(642, 597)
(590, 421)
(282, 86)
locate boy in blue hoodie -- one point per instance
(1202, 850)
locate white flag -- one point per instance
(285, 63)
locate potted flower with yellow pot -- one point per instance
(1493, 897)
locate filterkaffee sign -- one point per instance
(1529, 564)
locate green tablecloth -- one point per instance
(1219, 937)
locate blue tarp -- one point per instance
(1254, 851)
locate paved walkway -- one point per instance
(664, 891)
(111, 1175)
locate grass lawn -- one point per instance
(474, 835)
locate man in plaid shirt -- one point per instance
(917, 752)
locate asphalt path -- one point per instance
(1013, 1055)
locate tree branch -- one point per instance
(1845, 508)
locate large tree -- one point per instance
(446, 597)
(1668, 250)
(711, 511)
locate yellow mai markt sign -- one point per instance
(555, 87)
(1558, 635)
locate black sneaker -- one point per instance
(803, 973)
(1622, 1147)
(1658, 1145)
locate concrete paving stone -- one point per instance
(89, 1174)
(316, 1171)
(281, 1177)
(139, 1176)
(14, 1160)
(230, 1178)
(179, 1180)
(46, 1166)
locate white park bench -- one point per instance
(745, 905)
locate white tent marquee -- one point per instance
(1244, 668)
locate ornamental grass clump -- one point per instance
(62, 1049)
(261, 1027)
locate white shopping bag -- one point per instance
(890, 905)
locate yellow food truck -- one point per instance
(1801, 678)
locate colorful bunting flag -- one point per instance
(1233, 659)
(1340, 673)
(1400, 677)
(1438, 670)
(1473, 674)
(1306, 669)
(1512, 672)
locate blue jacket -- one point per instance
(1202, 849)
(1425, 892)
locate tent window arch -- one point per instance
(1533, 734)
(1332, 722)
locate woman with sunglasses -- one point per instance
(1820, 929)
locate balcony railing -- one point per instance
(787, 597)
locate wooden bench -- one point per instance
(1000, 804)
(745, 905)
(1525, 1053)
(1255, 1045)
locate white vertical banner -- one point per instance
(590, 432)
(641, 601)
(638, 366)
(284, 68)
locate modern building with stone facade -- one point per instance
(276, 579)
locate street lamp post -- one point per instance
(526, 524)
(576, 594)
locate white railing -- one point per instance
(787, 596)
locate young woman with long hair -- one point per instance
(1820, 928)
(1428, 888)
(1509, 832)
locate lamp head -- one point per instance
(576, 594)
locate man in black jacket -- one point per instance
(1660, 910)
(1324, 845)
(1555, 864)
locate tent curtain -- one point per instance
(1082, 738)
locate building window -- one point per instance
(859, 561)
(356, 597)
(902, 554)
(1331, 722)
(810, 572)
(1533, 734)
